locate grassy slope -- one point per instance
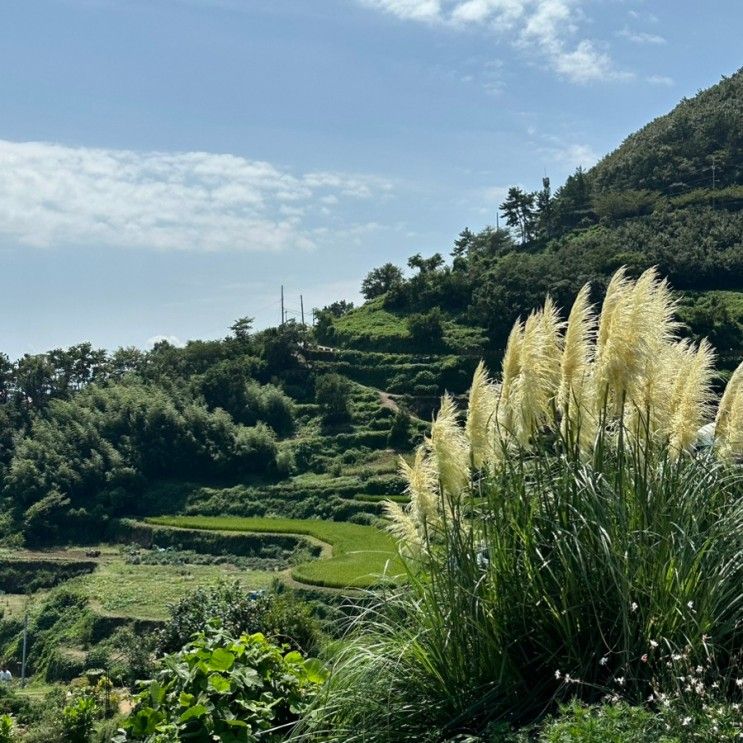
(374, 328)
(361, 554)
(144, 591)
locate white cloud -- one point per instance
(659, 80)
(574, 155)
(52, 194)
(544, 27)
(641, 37)
(418, 10)
(586, 64)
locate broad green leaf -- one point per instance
(237, 723)
(221, 660)
(198, 710)
(293, 657)
(219, 683)
(316, 671)
(157, 693)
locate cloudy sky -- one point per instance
(165, 165)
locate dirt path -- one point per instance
(386, 401)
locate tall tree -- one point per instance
(544, 208)
(426, 265)
(6, 378)
(518, 209)
(381, 280)
(241, 328)
(463, 243)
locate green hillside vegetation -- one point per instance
(362, 556)
(677, 150)
(652, 202)
(272, 459)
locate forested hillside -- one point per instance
(303, 422)
(670, 196)
(133, 483)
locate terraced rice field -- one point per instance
(362, 556)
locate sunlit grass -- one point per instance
(145, 591)
(361, 555)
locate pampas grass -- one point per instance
(568, 538)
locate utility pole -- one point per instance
(301, 307)
(282, 304)
(25, 648)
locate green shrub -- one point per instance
(624, 723)
(427, 328)
(332, 394)
(280, 617)
(78, 718)
(222, 687)
(577, 597)
(400, 433)
(7, 728)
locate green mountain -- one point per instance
(671, 196)
(678, 151)
(305, 423)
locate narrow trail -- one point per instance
(387, 401)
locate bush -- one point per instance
(427, 328)
(225, 687)
(78, 718)
(332, 394)
(280, 617)
(270, 405)
(399, 435)
(561, 544)
(624, 723)
(7, 729)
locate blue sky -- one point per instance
(165, 165)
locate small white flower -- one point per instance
(690, 604)
(739, 682)
(686, 721)
(653, 644)
(558, 675)
(620, 680)
(633, 606)
(604, 660)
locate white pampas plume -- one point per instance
(552, 340)
(535, 387)
(729, 419)
(691, 396)
(575, 394)
(450, 449)
(403, 528)
(422, 488)
(615, 291)
(481, 410)
(636, 325)
(511, 368)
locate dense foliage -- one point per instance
(281, 617)
(224, 687)
(652, 202)
(579, 536)
(83, 433)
